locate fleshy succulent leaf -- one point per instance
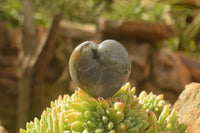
(122, 113)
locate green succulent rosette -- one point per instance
(122, 113)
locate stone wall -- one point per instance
(8, 80)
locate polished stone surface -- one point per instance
(100, 69)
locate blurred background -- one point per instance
(38, 36)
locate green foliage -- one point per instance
(141, 10)
(10, 12)
(88, 10)
(124, 112)
(186, 31)
(74, 10)
(85, 11)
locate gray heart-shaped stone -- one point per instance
(100, 69)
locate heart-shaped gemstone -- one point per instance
(100, 69)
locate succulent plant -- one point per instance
(124, 112)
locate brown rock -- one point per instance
(15, 37)
(4, 36)
(188, 107)
(2, 129)
(169, 72)
(8, 72)
(169, 96)
(9, 51)
(139, 55)
(8, 87)
(141, 30)
(193, 66)
(7, 61)
(76, 30)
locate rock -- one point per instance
(169, 96)
(188, 107)
(2, 130)
(6, 61)
(8, 87)
(139, 54)
(4, 36)
(8, 73)
(169, 72)
(141, 30)
(193, 66)
(76, 30)
(9, 51)
(100, 69)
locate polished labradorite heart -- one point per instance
(100, 69)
